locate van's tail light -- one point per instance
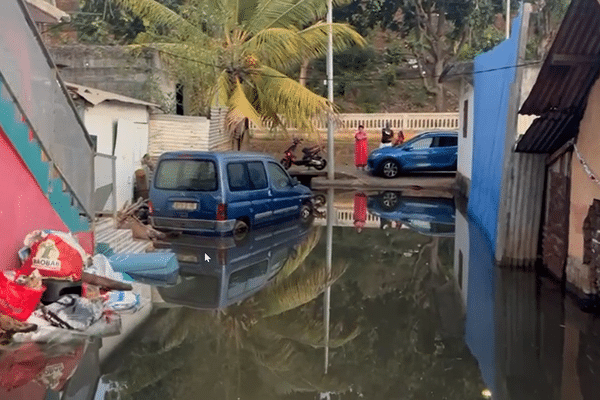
(150, 207)
(222, 212)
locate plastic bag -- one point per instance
(18, 301)
(73, 312)
(55, 254)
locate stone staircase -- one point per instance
(106, 233)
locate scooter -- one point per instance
(311, 157)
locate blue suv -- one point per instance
(223, 192)
(429, 151)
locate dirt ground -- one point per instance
(344, 149)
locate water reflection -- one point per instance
(393, 327)
(218, 272)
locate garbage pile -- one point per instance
(60, 289)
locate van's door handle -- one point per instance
(270, 193)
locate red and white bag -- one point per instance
(55, 255)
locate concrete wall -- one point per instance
(583, 189)
(465, 135)
(115, 69)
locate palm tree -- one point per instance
(237, 53)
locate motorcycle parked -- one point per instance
(310, 158)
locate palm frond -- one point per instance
(315, 38)
(300, 288)
(154, 13)
(303, 250)
(287, 98)
(240, 107)
(302, 328)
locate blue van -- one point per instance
(195, 191)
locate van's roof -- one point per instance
(215, 155)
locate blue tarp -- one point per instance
(494, 72)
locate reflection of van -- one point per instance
(223, 192)
(217, 272)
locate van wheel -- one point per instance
(240, 230)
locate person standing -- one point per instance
(400, 138)
(387, 134)
(360, 148)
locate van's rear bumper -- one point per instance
(192, 225)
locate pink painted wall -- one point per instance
(23, 205)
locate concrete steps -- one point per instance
(119, 240)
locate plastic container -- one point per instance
(153, 268)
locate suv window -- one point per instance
(198, 175)
(278, 176)
(246, 176)
(422, 143)
(445, 141)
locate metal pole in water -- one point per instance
(329, 265)
(330, 127)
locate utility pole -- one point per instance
(507, 19)
(330, 130)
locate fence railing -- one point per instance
(105, 174)
(347, 124)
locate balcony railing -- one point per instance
(347, 124)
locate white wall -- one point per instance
(465, 145)
(178, 132)
(100, 120)
(462, 245)
(131, 122)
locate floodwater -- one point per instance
(397, 298)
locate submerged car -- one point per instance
(430, 216)
(429, 151)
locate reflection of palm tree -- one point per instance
(267, 338)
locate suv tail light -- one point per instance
(150, 207)
(222, 212)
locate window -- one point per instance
(422, 143)
(197, 175)
(446, 141)
(258, 176)
(465, 126)
(279, 177)
(247, 279)
(247, 176)
(238, 177)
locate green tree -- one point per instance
(239, 53)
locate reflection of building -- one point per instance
(530, 342)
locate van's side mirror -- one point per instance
(295, 181)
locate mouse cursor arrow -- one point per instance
(206, 257)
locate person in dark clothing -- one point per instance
(387, 134)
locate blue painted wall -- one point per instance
(494, 72)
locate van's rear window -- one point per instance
(197, 175)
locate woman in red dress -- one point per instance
(360, 148)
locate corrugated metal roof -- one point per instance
(560, 92)
(572, 64)
(97, 96)
(564, 127)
